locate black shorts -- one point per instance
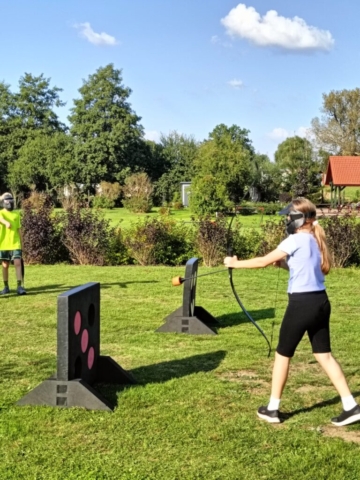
(306, 312)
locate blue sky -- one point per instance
(191, 64)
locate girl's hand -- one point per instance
(277, 264)
(230, 262)
(7, 224)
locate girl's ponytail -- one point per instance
(320, 237)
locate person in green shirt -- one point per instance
(10, 243)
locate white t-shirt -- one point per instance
(304, 261)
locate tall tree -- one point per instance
(44, 162)
(107, 133)
(178, 152)
(298, 166)
(23, 113)
(338, 130)
(223, 169)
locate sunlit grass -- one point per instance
(192, 414)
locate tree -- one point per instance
(266, 178)
(299, 170)
(108, 136)
(178, 153)
(44, 162)
(24, 113)
(223, 169)
(338, 130)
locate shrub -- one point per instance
(165, 211)
(87, 236)
(158, 241)
(107, 195)
(137, 192)
(211, 240)
(103, 202)
(246, 242)
(342, 234)
(177, 205)
(41, 232)
(272, 233)
(117, 253)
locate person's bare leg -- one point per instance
(279, 375)
(17, 265)
(334, 372)
(5, 271)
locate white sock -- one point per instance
(274, 403)
(348, 402)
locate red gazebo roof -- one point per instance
(343, 171)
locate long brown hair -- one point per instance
(305, 206)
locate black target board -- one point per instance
(79, 363)
(190, 318)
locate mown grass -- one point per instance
(124, 218)
(192, 414)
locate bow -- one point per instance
(230, 270)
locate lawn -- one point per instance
(192, 414)
(125, 218)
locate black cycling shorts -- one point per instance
(306, 312)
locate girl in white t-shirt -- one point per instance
(305, 254)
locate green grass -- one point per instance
(123, 217)
(192, 414)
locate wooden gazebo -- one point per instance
(341, 172)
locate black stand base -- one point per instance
(202, 323)
(77, 393)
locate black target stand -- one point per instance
(79, 363)
(190, 318)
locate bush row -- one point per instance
(83, 236)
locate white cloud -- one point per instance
(237, 84)
(215, 40)
(279, 134)
(152, 135)
(96, 38)
(273, 30)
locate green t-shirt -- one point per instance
(10, 237)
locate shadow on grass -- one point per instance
(61, 288)
(164, 371)
(324, 403)
(237, 318)
(43, 366)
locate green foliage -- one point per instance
(137, 192)
(100, 201)
(44, 162)
(272, 233)
(337, 131)
(223, 170)
(179, 152)
(107, 133)
(300, 172)
(246, 241)
(26, 116)
(158, 241)
(107, 195)
(343, 238)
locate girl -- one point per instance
(305, 254)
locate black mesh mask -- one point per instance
(295, 218)
(8, 202)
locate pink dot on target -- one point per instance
(77, 323)
(91, 356)
(84, 340)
